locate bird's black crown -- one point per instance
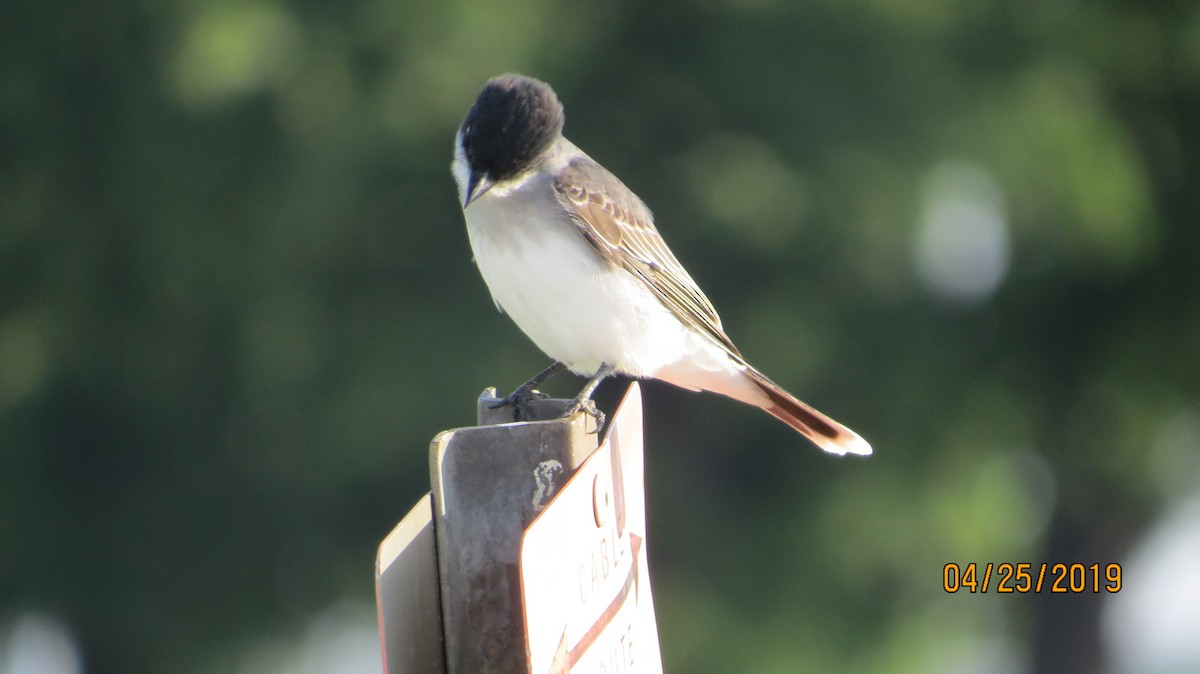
(514, 120)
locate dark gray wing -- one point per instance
(621, 228)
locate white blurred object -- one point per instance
(961, 250)
(38, 644)
(1153, 623)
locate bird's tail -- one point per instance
(826, 433)
(738, 380)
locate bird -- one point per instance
(573, 257)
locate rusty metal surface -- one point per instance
(489, 482)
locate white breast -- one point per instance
(577, 307)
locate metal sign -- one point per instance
(406, 595)
(584, 576)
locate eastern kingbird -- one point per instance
(572, 255)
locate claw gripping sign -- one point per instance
(584, 576)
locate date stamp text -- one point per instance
(1024, 578)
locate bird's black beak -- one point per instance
(477, 185)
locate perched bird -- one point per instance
(573, 257)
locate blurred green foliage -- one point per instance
(237, 300)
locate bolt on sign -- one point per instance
(584, 577)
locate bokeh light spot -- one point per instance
(961, 250)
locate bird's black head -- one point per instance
(514, 120)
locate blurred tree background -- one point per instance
(237, 301)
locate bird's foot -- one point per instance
(588, 407)
(519, 400)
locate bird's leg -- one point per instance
(583, 401)
(524, 393)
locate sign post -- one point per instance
(584, 572)
(467, 584)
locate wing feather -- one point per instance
(621, 229)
